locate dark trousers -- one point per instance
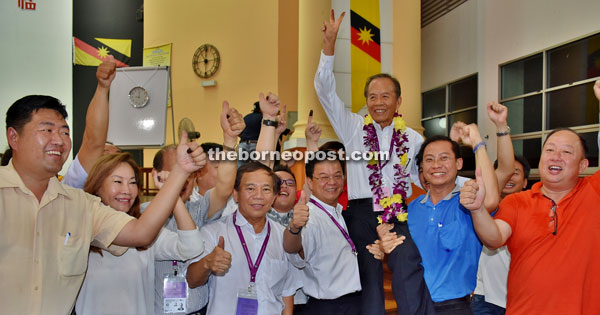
(481, 307)
(408, 284)
(460, 306)
(348, 304)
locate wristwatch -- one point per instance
(294, 233)
(503, 133)
(270, 123)
(228, 148)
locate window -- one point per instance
(445, 105)
(552, 89)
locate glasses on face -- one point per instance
(288, 182)
(326, 179)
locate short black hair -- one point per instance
(211, 146)
(254, 166)
(584, 145)
(159, 160)
(332, 146)
(19, 113)
(256, 108)
(284, 168)
(319, 157)
(523, 161)
(455, 147)
(397, 88)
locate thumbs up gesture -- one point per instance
(219, 260)
(300, 215)
(473, 192)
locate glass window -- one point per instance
(573, 62)
(573, 106)
(531, 149)
(525, 114)
(468, 117)
(434, 127)
(591, 139)
(522, 77)
(434, 102)
(463, 94)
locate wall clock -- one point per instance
(206, 61)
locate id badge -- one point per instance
(247, 301)
(175, 294)
(386, 193)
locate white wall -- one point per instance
(481, 34)
(36, 54)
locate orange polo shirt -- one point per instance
(554, 274)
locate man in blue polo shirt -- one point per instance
(442, 228)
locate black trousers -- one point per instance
(460, 306)
(408, 284)
(348, 304)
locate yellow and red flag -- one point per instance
(92, 54)
(365, 51)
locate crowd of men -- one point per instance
(266, 246)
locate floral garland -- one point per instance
(392, 205)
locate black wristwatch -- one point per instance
(270, 123)
(294, 233)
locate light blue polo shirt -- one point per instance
(449, 247)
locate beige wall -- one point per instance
(246, 33)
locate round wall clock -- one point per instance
(206, 61)
(138, 97)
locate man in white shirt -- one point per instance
(383, 99)
(244, 262)
(328, 255)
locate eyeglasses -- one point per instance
(326, 179)
(289, 182)
(553, 218)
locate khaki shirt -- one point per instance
(41, 269)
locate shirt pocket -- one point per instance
(72, 256)
(451, 235)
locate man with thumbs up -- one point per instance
(319, 234)
(244, 263)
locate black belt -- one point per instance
(466, 298)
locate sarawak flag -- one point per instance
(365, 50)
(92, 54)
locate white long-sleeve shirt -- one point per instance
(125, 284)
(349, 128)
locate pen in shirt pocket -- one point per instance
(67, 238)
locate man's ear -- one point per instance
(583, 164)
(459, 164)
(235, 196)
(13, 137)
(524, 184)
(398, 103)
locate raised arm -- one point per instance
(182, 216)
(312, 133)
(505, 152)
(471, 137)
(492, 233)
(96, 118)
(232, 123)
(330, 30)
(267, 138)
(141, 232)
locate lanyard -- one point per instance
(253, 267)
(344, 233)
(389, 154)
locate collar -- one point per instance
(449, 196)
(536, 190)
(333, 210)
(241, 221)
(378, 126)
(11, 179)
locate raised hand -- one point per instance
(281, 121)
(330, 30)
(232, 122)
(498, 114)
(219, 260)
(190, 156)
(597, 89)
(376, 250)
(269, 105)
(300, 215)
(159, 178)
(456, 132)
(472, 193)
(312, 132)
(470, 135)
(106, 72)
(389, 240)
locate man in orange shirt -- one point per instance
(552, 231)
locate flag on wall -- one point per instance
(92, 54)
(365, 49)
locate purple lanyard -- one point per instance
(389, 154)
(344, 233)
(253, 267)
